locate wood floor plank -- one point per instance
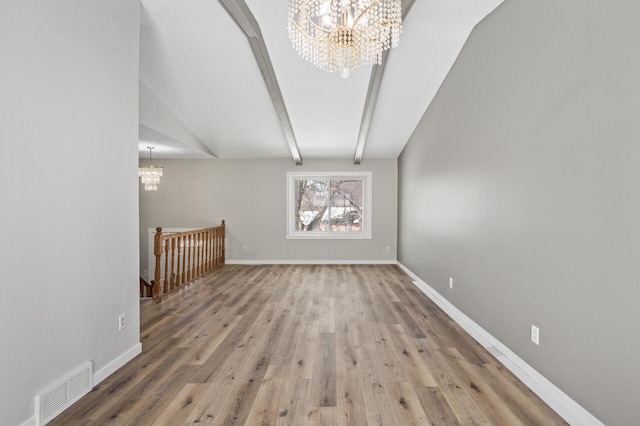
(306, 345)
(350, 399)
(457, 393)
(268, 405)
(498, 412)
(143, 396)
(298, 403)
(327, 315)
(324, 371)
(179, 408)
(212, 339)
(407, 321)
(380, 405)
(304, 363)
(516, 396)
(411, 410)
(321, 416)
(436, 405)
(416, 369)
(230, 397)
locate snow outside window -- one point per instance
(329, 205)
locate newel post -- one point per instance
(223, 236)
(157, 251)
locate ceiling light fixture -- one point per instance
(150, 175)
(340, 35)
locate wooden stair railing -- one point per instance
(146, 289)
(187, 256)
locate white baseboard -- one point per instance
(309, 262)
(114, 365)
(31, 422)
(560, 402)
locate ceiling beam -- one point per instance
(242, 16)
(377, 71)
(370, 106)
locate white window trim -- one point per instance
(367, 178)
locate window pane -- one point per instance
(346, 205)
(325, 205)
(311, 206)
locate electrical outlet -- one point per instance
(122, 322)
(388, 249)
(535, 334)
(450, 282)
(245, 249)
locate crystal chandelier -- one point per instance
(150, 175)
(340, 35)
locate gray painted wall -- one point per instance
(251, 196)
(69, 88)
(522, 183)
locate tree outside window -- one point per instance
(329, 205)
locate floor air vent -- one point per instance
(61, 396)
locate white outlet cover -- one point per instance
(535, 334)
(450, 282)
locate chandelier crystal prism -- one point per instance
(150, 175)
(340, 35)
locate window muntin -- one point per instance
(329, 205)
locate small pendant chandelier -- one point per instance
(340, 35)
(150, 175)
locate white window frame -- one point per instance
(365, 233)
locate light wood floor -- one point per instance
(305, 345)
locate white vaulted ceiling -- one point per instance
(219, 78)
